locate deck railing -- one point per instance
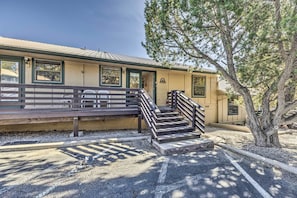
(149, 111)
(50, 97)
(92, 101)
(190, 109)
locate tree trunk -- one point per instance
(262, 137)
(274, 140)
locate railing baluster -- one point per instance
(194, 116)
(175, 99)
(172, 95)
(148, 110)
(75, 98)
(190, 109)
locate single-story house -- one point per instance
(35, 63)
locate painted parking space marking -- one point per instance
(163, 171)
(161, 179)
(163, 189)
(255, 184)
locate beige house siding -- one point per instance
(80, 72)
(86, 73)
(182, 80)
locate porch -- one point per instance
(31, 104)
(27, 103)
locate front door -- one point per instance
(143, 80)
(134, 79)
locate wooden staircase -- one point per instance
(171, 126)
(183, 119)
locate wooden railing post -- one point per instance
(75, 99)
(75, 126)
(194, 116)
(139, 111)
(175, 99)
(139, 122)
(172, 95)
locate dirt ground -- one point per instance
(244, 140)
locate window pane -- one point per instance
(232, 110)
(134, 80)
(9, 71)
(48, 76)
(232, 107)
(198, 86)
(199, 91)
(48, 71)
(110, 76)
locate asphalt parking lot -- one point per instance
(135, 169)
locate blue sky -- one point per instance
(115, 26)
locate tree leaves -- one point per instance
(252, 43)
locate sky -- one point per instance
(115, 26)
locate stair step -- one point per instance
(170, 119)
(172, 130)
(183, 122)
(168, 114)
(165, 109)
(177, 137)
(183, 146)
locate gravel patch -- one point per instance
(13, 138)
(245, 141)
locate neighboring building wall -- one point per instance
(223, 116)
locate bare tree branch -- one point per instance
(289, 120)
(289, 107)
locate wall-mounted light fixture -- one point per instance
(27, 60)
(162, 80)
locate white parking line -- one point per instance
(163, 171)
(256, 185)
(47, 191)
(162, 177)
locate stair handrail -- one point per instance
(149, 110)
(189, 108)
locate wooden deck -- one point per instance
(33, 104)
(28, 104)
(49, 116)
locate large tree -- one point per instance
(252, 44)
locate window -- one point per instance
(232, 106)
(9, 71)
(198, 86)
(110, 76)
(47, 71)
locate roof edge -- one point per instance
(36, 51)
